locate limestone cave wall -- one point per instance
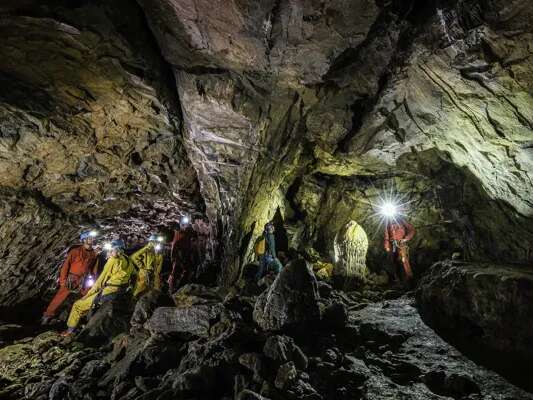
(89, 135)
(125, 115)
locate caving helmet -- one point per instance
(118, 244)
(152, 238)
(87, 234)
(269, 226)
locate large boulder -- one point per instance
(145, 307)
(109, 320)
(291, 300)
(281, 348)
(484, 309)
(191, 321)
(194, 294)
(395, 352)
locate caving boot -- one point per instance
(68, 332)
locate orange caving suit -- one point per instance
(79, 262)
(395, 233)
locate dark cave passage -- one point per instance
(271, 199)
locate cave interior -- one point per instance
(125, 117)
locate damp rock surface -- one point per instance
(485, 308)
(123, 116)
(382, 350)
(291, 300)
(351, 246)
(89, 137)
(126, 116)
(193, 319)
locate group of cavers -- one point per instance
(141, 271)
(137, 273)
(398, 232)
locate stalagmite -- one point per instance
(351, 245)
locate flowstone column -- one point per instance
(350, 246)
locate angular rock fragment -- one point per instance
(200, 380)
(59, 390)
(454, 384)
(94, 369)
(291, 300)
(194, 320)
(145, 306)
(109, 320)
(286, 374)
(253, 362)
(38, 390)
(282, 349)
(194, 294)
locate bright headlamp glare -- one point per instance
(389, 210)
(89, 282)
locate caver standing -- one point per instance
(81, 261)
(265, 250)
(184, 255)
(148, 262)
(398, 233)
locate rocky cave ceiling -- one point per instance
(124, 115)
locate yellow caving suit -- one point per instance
(115, 276)
(148, 263)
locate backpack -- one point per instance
(260, 246)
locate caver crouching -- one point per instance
(115, 279)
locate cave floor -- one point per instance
(410, 360)
(384, 351)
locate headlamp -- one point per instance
(389, 210)
(160, 239)
(89, 282)
(107, 246)
(157, 247)
(184, 220)
(93, 234)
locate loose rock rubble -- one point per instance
(377, 349)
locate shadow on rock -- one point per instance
(109, 320)
(291, 300)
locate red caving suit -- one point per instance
(395, 232)
(183, 255)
